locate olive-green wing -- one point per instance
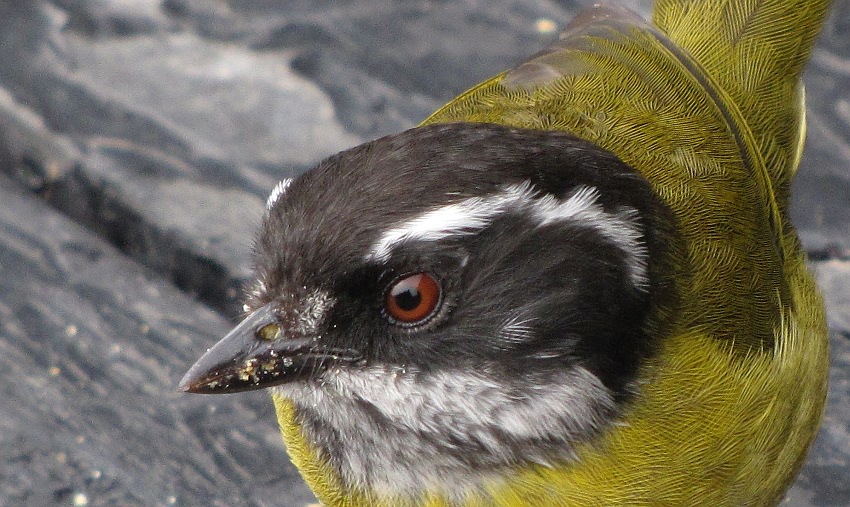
(755, 50)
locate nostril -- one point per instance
(269, 332)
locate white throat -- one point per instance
(401, 433)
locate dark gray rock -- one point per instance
(159, 131)
(91, 348)
(161, 125)
(821, 198)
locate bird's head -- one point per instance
(446, 303)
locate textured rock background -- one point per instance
(138, 140)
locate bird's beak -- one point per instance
(256, 354)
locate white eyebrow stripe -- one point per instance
(475, 213)
(278, 191)
(464, 217)
(620, 228)
(547, 209)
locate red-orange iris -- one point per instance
(413, 299)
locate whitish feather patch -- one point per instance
(278, 191)
(464, 217)
(425, 416)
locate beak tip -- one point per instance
(192, 382)
(185, 385)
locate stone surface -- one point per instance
(161, 125)
(91, 347)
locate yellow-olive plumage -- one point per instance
(706, 103)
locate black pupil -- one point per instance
(408, 299)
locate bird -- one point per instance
(575, 284)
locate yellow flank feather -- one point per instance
(707, 105)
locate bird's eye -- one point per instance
(413, 299)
